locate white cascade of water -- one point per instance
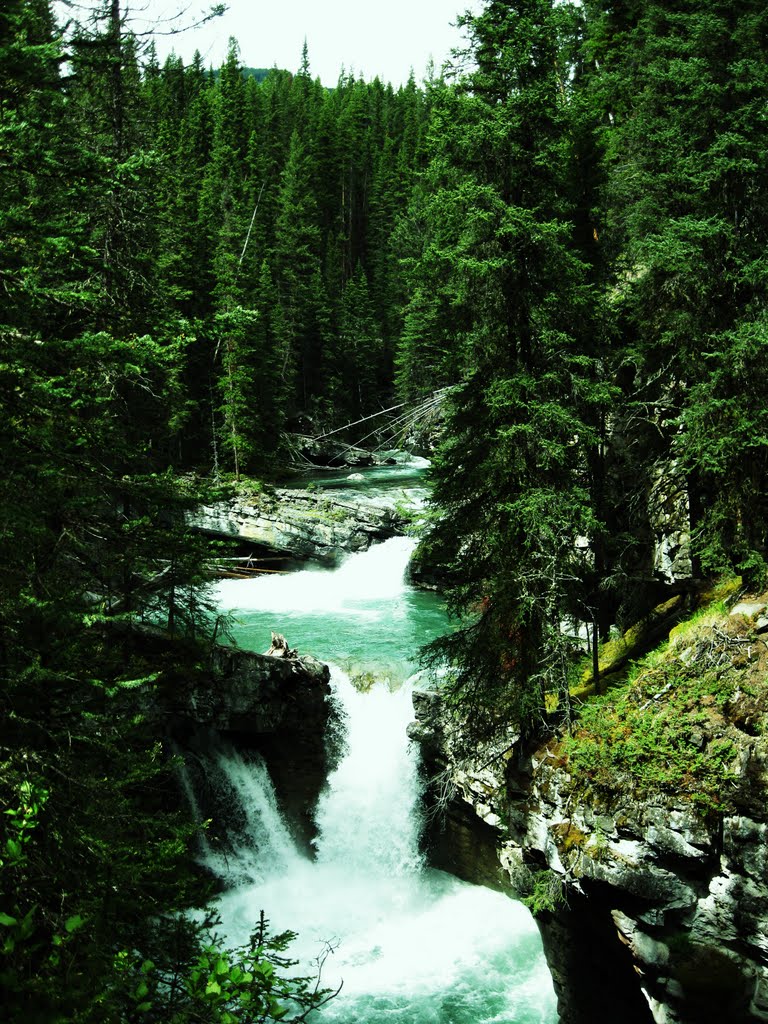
(259, 843)
(369, 818)
(369, 577)
(413, 945)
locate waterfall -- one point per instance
(369, 816)
(258, 839)
(412, 945)
(358, 587)
(361, 616)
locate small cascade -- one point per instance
(369, 817)
(362, 616)
(259, 843)
(358, 587)
(401, 482)
(188, 789)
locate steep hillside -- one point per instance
(640, 836)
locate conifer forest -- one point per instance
(557, 246)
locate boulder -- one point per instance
(300, 524)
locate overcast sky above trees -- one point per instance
(367, 37)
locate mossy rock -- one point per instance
(568, 837)
(637, 640)
(720, 590)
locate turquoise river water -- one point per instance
(412, 945)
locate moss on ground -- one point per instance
(674, 721)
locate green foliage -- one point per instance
(247, 984)
(22, 821)
(569, 237)
(547, 893)
(666, 730)
(595, 287)
(513, 488)
(685, 227)
(725, 444)
(234, 332)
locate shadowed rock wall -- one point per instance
(659, 914)
(276, 706)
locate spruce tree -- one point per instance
(296, 264)
(511, 496)
(681, 87)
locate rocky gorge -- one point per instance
(650, 889)
(652, 893)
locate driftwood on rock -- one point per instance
(279, 648)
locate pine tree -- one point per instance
(223, 219)
(681, 87)
(41, 258)
(102, 595)
(296, 266)
(357, 362)
(511, 485)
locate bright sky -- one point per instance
(370, 37)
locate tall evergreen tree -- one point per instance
(681, 86)
(511, 495)
(296, 263)
(357, 360)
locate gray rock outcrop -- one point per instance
(276, 706)
(670, 522)
(659, 911)
(299, 524)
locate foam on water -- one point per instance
(369, 815)
(362, 616)
(412, 945)
(358, 586)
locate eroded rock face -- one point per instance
(300, 524)
(670, 522)
(662, 903)
(688, 899)
(277, 706)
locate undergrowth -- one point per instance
(667, 728)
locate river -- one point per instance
(412, 945)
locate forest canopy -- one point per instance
(565, 238)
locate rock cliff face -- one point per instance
(670, 523)
(300, 524)
(658, 907)
(277, 706)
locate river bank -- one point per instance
(324, 515)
